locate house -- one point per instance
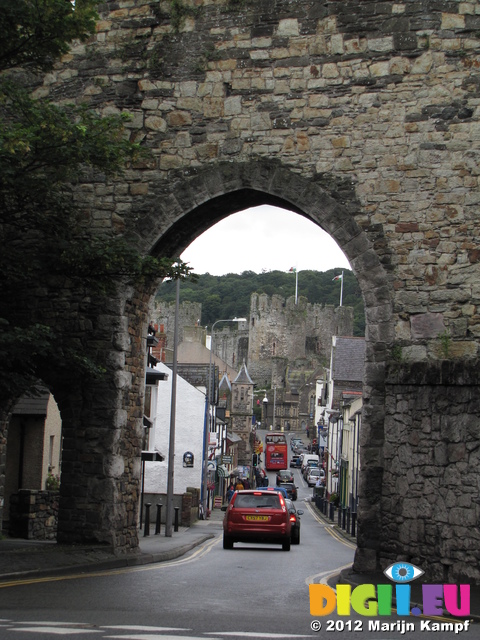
(344, 384)
(33, 456)
(190, 412)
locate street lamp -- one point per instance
(265, 407)
(206, 432)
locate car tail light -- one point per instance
(293, 518)
(282, 501)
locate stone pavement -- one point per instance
(21, 558)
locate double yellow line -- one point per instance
(196, 555)
(330, 528)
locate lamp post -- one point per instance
(265, 407)
(171, 444)
(209, 403)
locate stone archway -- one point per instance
(219, 190)
(370, 112)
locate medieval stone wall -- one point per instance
(362, 116)
(432, 458)
(189, 315)
(283, 332)
(277, 332)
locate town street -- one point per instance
(252, 591)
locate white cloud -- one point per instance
(264, 239)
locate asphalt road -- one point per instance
(252, 591)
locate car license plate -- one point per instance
(257, 518)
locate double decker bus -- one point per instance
(276, 456)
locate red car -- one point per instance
(257, 516)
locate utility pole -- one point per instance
(171, 444)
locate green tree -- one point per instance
(35, 33)
(44, 151)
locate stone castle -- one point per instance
(277, 334)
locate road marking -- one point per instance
(196, 555)
(157, 636)
(57, 631)
(251, 634)
(138, 627)
(330, 528)
(325, 575)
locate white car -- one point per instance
(314, 474)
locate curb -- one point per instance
(115, 563)
(335, 526)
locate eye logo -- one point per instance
(402, 572)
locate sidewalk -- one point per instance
(25, 558)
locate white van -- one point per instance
(307, 457)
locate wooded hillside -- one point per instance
(229, 295)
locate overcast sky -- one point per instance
(263, 239)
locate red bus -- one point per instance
(276, 456)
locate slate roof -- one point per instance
(243, 376)
(232, 438)
(33, 405)
(349, 359)
(225, 382)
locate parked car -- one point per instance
(308, 468)
(314, 474)
(285, 476)
(291, 489)
(295, 462)
(300, 449)
(294, 521)
(257, 516)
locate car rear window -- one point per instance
(267, 500)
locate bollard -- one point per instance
(344, 514)
(332, 511)
(146, 531)
(354, 522)
(339, 519)
(159, 518)
(348, 520)
(175, 526)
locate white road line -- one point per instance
(250, 634)
(56, 631)
(325, 575)
(157, 636)
(138, 627)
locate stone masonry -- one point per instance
(365, 118)
(282, 331)
(276, 330)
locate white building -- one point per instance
(189, 430)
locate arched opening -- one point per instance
(331, 209)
